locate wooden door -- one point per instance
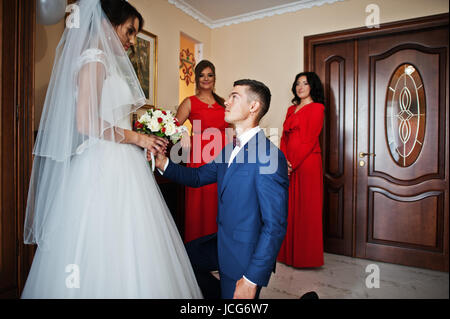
(334, 64)
(8, 234)
(17, 24)
(402, 197)
(393, 208)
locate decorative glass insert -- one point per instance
(405, 115)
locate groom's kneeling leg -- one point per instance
(202, 253)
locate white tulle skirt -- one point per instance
(113, 236)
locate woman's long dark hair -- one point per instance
(198, 71)
(119, 11)
(317, 93)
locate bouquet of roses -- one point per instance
(160, 123)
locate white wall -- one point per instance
(271, 49)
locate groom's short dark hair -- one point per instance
(258, 91)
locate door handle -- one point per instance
(366, 154)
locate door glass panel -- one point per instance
(405, 115)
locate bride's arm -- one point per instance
(90, 85)
(89, 122)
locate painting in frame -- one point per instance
(143, 57)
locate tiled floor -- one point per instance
(345, 278)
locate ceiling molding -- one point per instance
(213, 24)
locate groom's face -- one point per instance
(237, 106)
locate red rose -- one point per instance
(164, 112)
(160, 120)
(163, 130)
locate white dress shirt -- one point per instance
(243, 139)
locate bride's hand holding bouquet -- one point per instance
(161, 125)
(152, 143)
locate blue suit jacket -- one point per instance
(252, 206)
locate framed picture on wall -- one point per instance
(143, 56)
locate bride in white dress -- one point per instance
(101, 224)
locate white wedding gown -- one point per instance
(116, 237)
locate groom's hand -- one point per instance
(160, 161)
(245, 290)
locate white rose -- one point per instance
(154, 126)
(170, 129)
(145, 118)
(167, 119)
(157, 113)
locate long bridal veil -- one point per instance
(73, 117)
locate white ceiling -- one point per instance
(218, 13)
(221, 9)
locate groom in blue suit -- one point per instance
(252, 185)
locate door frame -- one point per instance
(26, 36)
(363, 32)
(16, 128)
(355, 34)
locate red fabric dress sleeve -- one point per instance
(283, 142)
(308, 137)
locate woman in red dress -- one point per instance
(303, 244)
(205, 110)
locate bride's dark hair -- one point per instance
(119, 11)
